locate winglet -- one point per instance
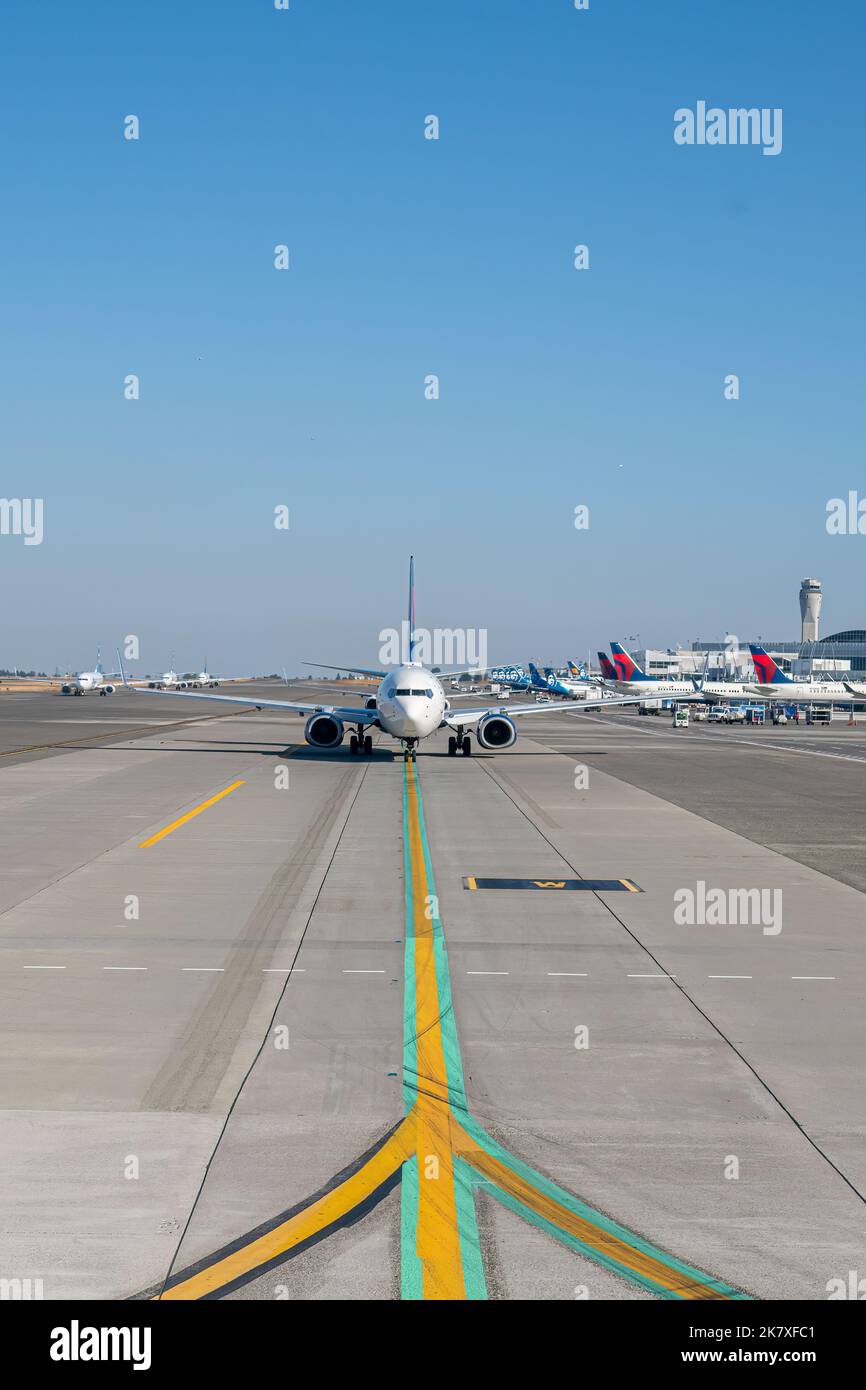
(121, 670)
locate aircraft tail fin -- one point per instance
(766, 670)
(626, 668)
(608, 670)
(698, 681)
(411, 629)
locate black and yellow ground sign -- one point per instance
(567, 885)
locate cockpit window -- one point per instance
(402, 690)
(420, 692)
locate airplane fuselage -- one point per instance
(87, 680)
(672, 690)
(810, 692)
(410, 702)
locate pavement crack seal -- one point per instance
(440, 1153)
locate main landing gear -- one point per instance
(361, 743)
(409, 749)
(461, 744)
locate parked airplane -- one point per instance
(513, 676)
(410, 705)
(549, 683)
(630, 676)
(578, 681)
(774, 683)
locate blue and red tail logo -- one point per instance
(766, 670)
(626, 669)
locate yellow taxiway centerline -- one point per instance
(437, 1232)
(196, 811)
(304, 1224)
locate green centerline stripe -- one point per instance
(588, 1213)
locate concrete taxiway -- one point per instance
(261, 1040)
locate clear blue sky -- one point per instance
(411, 257)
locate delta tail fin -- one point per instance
(766, 670)
(626, 668)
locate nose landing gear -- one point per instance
(409, 749)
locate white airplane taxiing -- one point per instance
(86, 681)
(200, 680)
(169, 680)
(410, 705)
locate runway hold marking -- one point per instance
(568, 885)
(440, 1154)
(196, 811)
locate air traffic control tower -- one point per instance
(810, 608)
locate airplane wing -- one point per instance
(380, 675)
(351, 670)
(32, 680)
(353, 714)
(453, 718)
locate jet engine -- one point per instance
(109, 689)
(496, 731)
(324, 730)
(370, 702)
